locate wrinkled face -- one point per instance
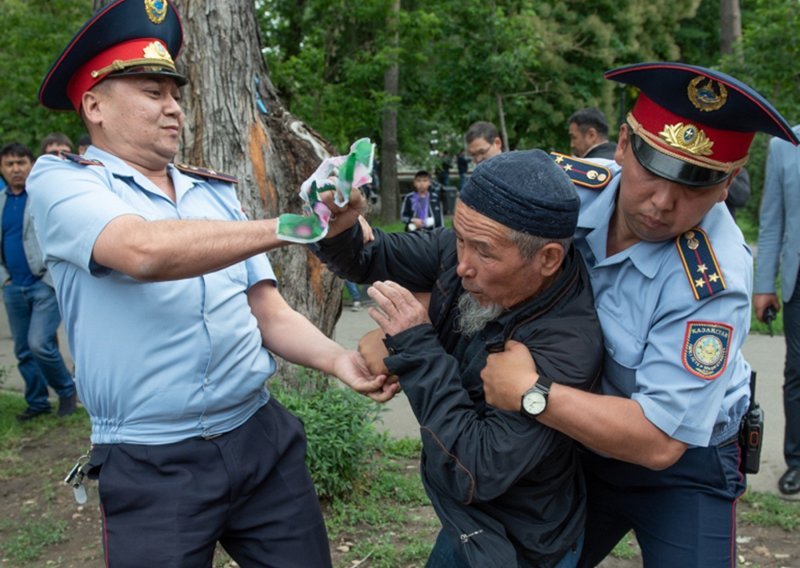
(140, 118)
(481, 149)
(489, 264)
(422, 184)
(581, 142)
(651, 208)
(15, 170)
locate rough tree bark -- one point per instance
(390, 192)
(730, 25)
(236, 124)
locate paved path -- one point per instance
(766, 354)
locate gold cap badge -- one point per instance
(156, 10)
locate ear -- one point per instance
(728, 182)
(622, 144)
(550, 257)
(90, 107)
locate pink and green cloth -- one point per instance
(339, 174)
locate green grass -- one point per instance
(14, 435)
(390, 520)
(29, 539)
(768, 510)
(626, 548)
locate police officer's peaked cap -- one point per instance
(693, 125)
(127, 37)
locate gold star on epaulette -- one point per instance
(694, 249)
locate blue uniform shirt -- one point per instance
(678, 357)
(155, 362)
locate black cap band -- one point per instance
(673, 169)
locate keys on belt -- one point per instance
(76, 476)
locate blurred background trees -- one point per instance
(525, 65)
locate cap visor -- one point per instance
(674, 169)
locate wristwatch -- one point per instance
(534, 400)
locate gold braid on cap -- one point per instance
(154, 54)
(657, 143)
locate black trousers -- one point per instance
(683, 516)
(249, 489)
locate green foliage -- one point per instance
(342, 437)
(768, 510)
(459, 60)
(35, 32)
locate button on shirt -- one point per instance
(645, 305)
(155, 362)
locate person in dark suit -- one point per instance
(588, 134)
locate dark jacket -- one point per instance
(434, 209)
(605, 150)
(506, 487)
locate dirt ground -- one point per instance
(33, 496)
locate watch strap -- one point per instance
(544, 383)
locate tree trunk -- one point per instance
(236, 124)
(730, 25)
(390, 194)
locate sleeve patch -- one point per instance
(700, 263)
(705, 348)
(583, 172)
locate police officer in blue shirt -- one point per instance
(170, 305)
(672, 280)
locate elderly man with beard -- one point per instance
(507, 489)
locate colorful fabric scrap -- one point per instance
(339, 174)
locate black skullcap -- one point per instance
(524, 191)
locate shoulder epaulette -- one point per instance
(82, 160)
(700, 264)
(583, 172)
(206, 173)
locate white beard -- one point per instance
(473, 317)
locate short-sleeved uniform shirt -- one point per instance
(678, 357)
(155, 362)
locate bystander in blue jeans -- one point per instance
(355, 294)
(34, 317)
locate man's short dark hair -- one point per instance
(16, 149)
(84, 140)
(422, 174)
(587, 118)
(54, 138)
(481, 129)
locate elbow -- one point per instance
(664, 457)
(146, 265)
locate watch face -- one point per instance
(534, 403)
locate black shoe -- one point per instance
(66, 405)
(30, 414)
(789, 483)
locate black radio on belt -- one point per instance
(751, 432)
